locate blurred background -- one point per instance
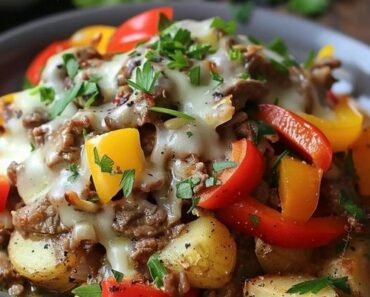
(351, 17)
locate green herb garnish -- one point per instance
(47, 94)
(74, 172)
(226, 27)
(156, 269)
(310, 59)
(216, 77)
(316, 285)
(194, 76)
(127, 182)
(164, 22)
(59, 106)
(71, 65)
(145, 79)
(235, 54)
(184, 189)
(263, 129)
(255, 220)
(351, 207)
(189, 134)
(212, 181)
(105, 163)
(93, 290)
(179, 61)
(172, 112)
(219, 166)
(117, 275)
(278, 46)
(243, 12)
(194, 203)
(198, 51)
(278, 160)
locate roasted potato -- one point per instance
(277, 286)
(276, 260)
(43, 261)
(205, 250)
(355, 264)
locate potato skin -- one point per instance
(42, 261)
(278, 260)
(205, 251)
(355, 264)
(276, 286)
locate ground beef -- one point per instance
(12, 172)
(38, 217)
(35, 118)
(140, 219)
(176, 284)
(68, 140)
(4, 237)
(147, 138)
(146, 247)
(7, 272)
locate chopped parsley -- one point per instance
(243, 12)
(347, 203)
(310, 59)
(145, 79)
(194, 203)
(179, 61)
(245, 76)
(226, 27)
(105, 163)
(184, 189)
(47, 94)
(59, 106)
(216, 77)
(127, 182)
(26, 84)
(194, 76)
(157, 270)
(164, 22)
(235, 54)
(182, 36)
(71, 65)
(219, 166)
(93, 290)
(212, 181)
(254, 40)
(255, 219)
(198, 51)
(118, 276)
(278, 160)
(189, 134)
(32, 147)
(316, 285)
(74, 172)
(278, 46)
(262, 130)
(172, 112)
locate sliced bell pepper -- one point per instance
(6, 99)
(123, 148)
(299, 189)
(256, 219)
(301, 135)
(4, 191)
(33, 73)
(126, 288)
(326, 51)
(361, 161)
(236, 182)
(342, 131)
(137, 29)
(87, 35)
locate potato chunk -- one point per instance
(355, 264)
(206, 252)
(42, 260)
(276, 286)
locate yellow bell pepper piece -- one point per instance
(326, 51)
(123, 147)
(361, 161)
(299, 189)
(6, 99)
(343, 131)
(86, 36)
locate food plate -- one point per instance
(18, 46)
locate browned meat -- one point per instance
(68, 141)
(146, 247)
(140, 219)
(38, 217)
(147, 138)
(4, 237)
(12, 172)
(7, 272)
(35, 118)
(176, 284)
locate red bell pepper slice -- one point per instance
(4, 191)
(33, 73)
(254, 218)
(137, 29)
(300, 134)
(110, 288)
(236, 182)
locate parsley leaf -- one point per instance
(182, 36)
(194, 202)
(235, 54)
(47, 94)
(316, 285)
(172, 112)
(278, 46)
(308, 8)
(262, 130)
(189, 134)
(145, 79)
(93, 290)
(226, 27)
(194, 76)
(198, 51)
(71, 65)
(212, 181)
(164, 22)
(26, 84)
(255, 219)
(184, 189)
(74, 172)
(59, 106)
(157, 270)
(117, 275)
(219, 166)
(243, 12)
(216, 77)
(310, 59)
(351, 207)
(105, 163)
(254, 40)
(179, 61)
(127, 182)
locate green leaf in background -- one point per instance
(243, 12)
(308, 7)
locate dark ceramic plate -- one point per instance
(18, 46)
